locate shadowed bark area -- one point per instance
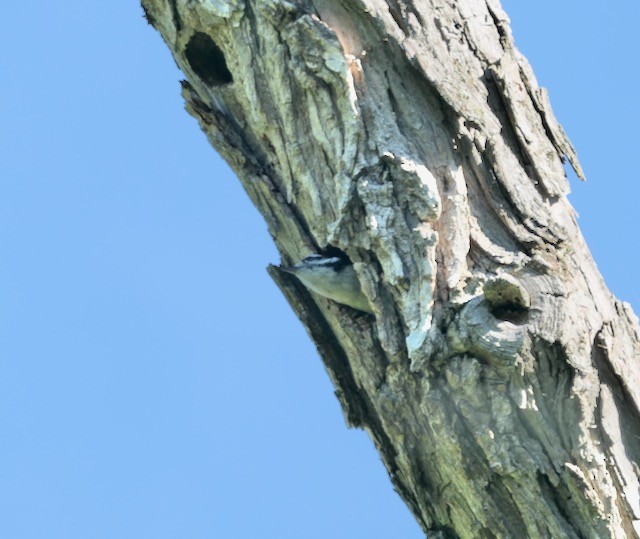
(498, 377)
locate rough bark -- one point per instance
(498, 377)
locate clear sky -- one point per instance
(153, 381)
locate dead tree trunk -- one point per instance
(499, 378)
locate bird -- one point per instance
(332, 277)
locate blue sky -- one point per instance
(153, 382)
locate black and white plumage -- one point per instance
(332, 277)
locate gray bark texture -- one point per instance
(498, 376)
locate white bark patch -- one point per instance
(223, 8)
(612, 427)
(401, 201)
(422, 185)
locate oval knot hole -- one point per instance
(207, 60)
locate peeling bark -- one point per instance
(498, 376)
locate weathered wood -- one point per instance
(499, 376)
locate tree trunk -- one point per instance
(498, 377)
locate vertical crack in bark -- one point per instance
(500, 25)
(557, 502)
(175, 14)
(396, 9)
(500, 106)
(619, 430)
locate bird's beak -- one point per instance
(289, 269)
